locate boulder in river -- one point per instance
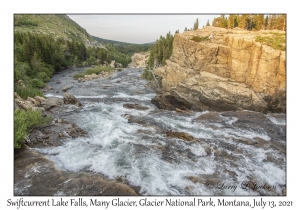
(135, 106)
(180, 135)
(70, 99)
(169, 102)
(65, 88)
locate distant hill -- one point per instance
(107, 41)
(59, 26)
(122, 51)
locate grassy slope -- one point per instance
(60, 26)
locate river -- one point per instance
(232, 153)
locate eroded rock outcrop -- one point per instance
(139, 60)
(227, 70)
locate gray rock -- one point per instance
(70, 99)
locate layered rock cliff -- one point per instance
(225, 70)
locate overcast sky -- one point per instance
(137, 28)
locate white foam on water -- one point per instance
(237, 133)
(113, 151)
(277, 120)
(98, 96)
(143, 97)
(229, 120)
(160, 165)
(184, 124)
(198, 150)
(50, 95)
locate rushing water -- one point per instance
(231, 148)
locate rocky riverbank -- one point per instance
(28, 162)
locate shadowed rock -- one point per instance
(70, 99)
(135, 106)
(169, 102)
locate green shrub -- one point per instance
(24, 121)
(25, 91)
(37, 83)
(43, 76)
(199, 39)
(21, 70)
(76, 76)
(147, 75)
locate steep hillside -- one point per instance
(220, 69)
(122, 52)
(59, 26)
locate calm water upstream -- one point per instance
(231, 148)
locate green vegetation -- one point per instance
(196, 24)
(24, 121)
(95, 70)
(58, 26)
(252, 21)
(160, 51)
(37, 57)
(45, 44)
(274, 40)
(199, 39)
(121, 52)
(123, 58)
(22, 22)
(147, 74)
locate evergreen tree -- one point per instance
(259, 22)
(207, 23)
(231, 22)
(243, 21)
(220, 22)
(266, 23)
(196, 24)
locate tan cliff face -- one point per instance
(229, 70)
(139, 60)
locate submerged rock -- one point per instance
(180, 135)
(135, 106)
